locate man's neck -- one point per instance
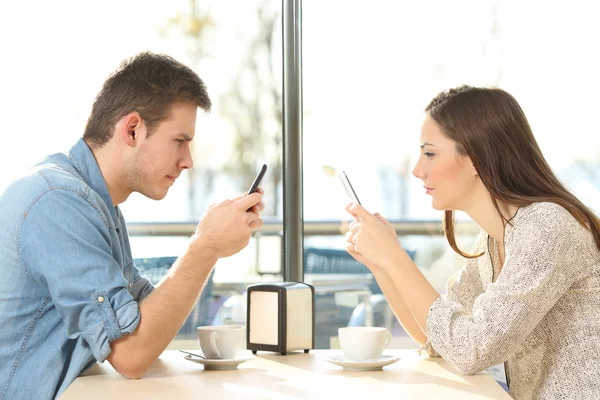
(112, 171)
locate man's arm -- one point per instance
(163, 313)
(224, 230)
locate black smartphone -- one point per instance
(258, 179)
(348, 187)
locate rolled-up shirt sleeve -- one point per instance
(534, 277)
(142, 286)
(65, 246)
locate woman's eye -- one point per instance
(428, 154)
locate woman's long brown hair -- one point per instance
(489, 126)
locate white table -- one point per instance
(294, 376)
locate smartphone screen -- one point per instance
(258, 179)
(348, 187)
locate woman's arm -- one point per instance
(412, 286)
(399, 307)
(373, 241)
(393, 297)
(543, 261)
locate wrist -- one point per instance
(374, 267)
(396, 260)
(201, 249)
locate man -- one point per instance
(70, 294)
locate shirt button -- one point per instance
(100, 299)
(130, 285)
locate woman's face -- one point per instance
(447, 176)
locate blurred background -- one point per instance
(369, 70)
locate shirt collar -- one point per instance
(85, 163)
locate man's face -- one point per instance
(161, 158)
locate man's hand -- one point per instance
(226, 227)
(224, 230)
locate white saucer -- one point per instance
(367, 365)
(220, 364)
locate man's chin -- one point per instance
(160, 196)
(156, 195)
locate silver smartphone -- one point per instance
(348, 186)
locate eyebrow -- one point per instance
(427, 144)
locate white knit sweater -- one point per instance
(539, 313)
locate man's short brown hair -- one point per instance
(149, 84)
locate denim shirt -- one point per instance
(68, 285)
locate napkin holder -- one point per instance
(280, 317)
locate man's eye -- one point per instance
(180, 141)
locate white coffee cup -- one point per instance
(223, 341)
(360, 343)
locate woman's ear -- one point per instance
(474, 170)
(466, 162)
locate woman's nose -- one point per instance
(417, 171)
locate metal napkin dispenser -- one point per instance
(280, 317)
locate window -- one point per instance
(55, 65)
(369, 70)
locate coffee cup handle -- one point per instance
(213, 344)
(388, 338)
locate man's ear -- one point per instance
(131, 122)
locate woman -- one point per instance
(529, 293)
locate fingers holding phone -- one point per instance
(251, 206)
(226, 228)
(254, 188)
(257, 208)
(253, 212)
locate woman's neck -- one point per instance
(483, 212)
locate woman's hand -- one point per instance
(357, 256)
(371, 240)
